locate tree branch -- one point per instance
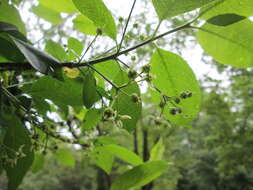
(4, 66)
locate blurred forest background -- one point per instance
(214, 154)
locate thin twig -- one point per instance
(88, 48)
(126, 26)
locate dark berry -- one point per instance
(173, 111)
(146, 68)
(177, 100)
(99, 31)
(132, 74)
(135, 98)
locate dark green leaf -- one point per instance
(3, 130)
(89, 90)
(41, 105)
(6, 27)
(139, 175)
(12, 30)
(41, 61)
(17, 138)
(225, 19)
(8, 49)
(64, 93)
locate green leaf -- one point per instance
(89, 90)
(75, 45)
(169, 8)
(110, 69)
(124, 104)
(8, 49)
(231, 45)
(10, 14)
(103, 159)
(225, 19)
(98, 13)
(38, 163)
(1, 168)
(60, 5)
(47, 14)
(157, 151)
(41, 61)
(3, 130)
(41, 105)
(92, 118)
(85, 25)
(104, 140)
(16, 139)
(172, 76)
(65, 93)
(7, 28)
(65, 158)
(242, 7)
(56, 50)
(139, 175)
(123, 154)
(103, 93)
